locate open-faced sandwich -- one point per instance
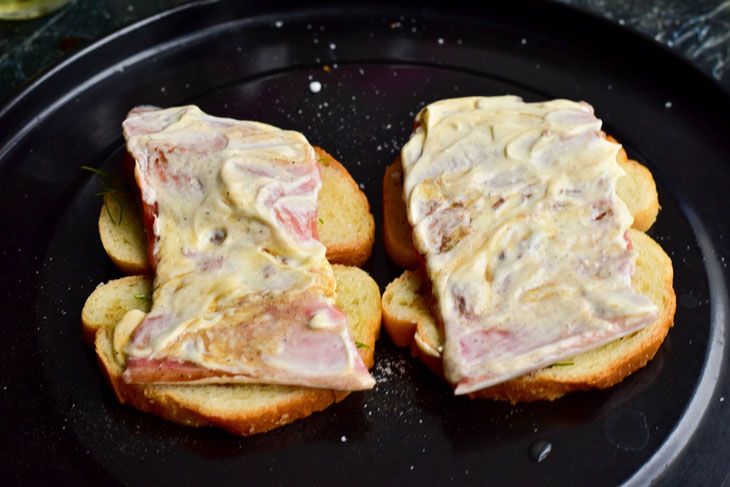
(236, 317)
(522, 224)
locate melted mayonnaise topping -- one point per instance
(242, 287)
(513, 207)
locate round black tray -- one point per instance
(377, 66)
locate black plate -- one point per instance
(377, 67)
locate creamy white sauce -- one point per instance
(236, 252)
(513, 207)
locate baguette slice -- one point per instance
(122, 233)
(241, 409)
(637, 189)
(346, 226)
(408, 319)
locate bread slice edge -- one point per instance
(243, 409)
(405, 299)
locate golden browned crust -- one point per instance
(406, 313)
(243, 409)
(346, 226)
(178, 403)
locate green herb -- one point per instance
(113, 187)
(321, 221)
(560, 364)
(361, 344)
(324, 160)
(143, 297)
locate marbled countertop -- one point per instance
(698, 29)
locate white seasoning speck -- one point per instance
(523, 41)
(440, 40)
(278, 23)
(343, 439)
(315, 86)
(668, 104)
(333, 46)
(722, 399)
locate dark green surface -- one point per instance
(30, 47)
(700, 30)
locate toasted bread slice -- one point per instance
(110, 302)
(242, 409)
(408, 319)
(346, 226)
(122, 233)
(637, 189)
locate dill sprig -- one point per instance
(113, 187)
(560, 364)
(361, 344)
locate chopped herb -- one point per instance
(143, 297)
(560, 364)
(361, 344)
(324, 161)
(113, 187)
(321, 221)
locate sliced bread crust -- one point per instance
(346, 225)
(241, 409)
(408, 318)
